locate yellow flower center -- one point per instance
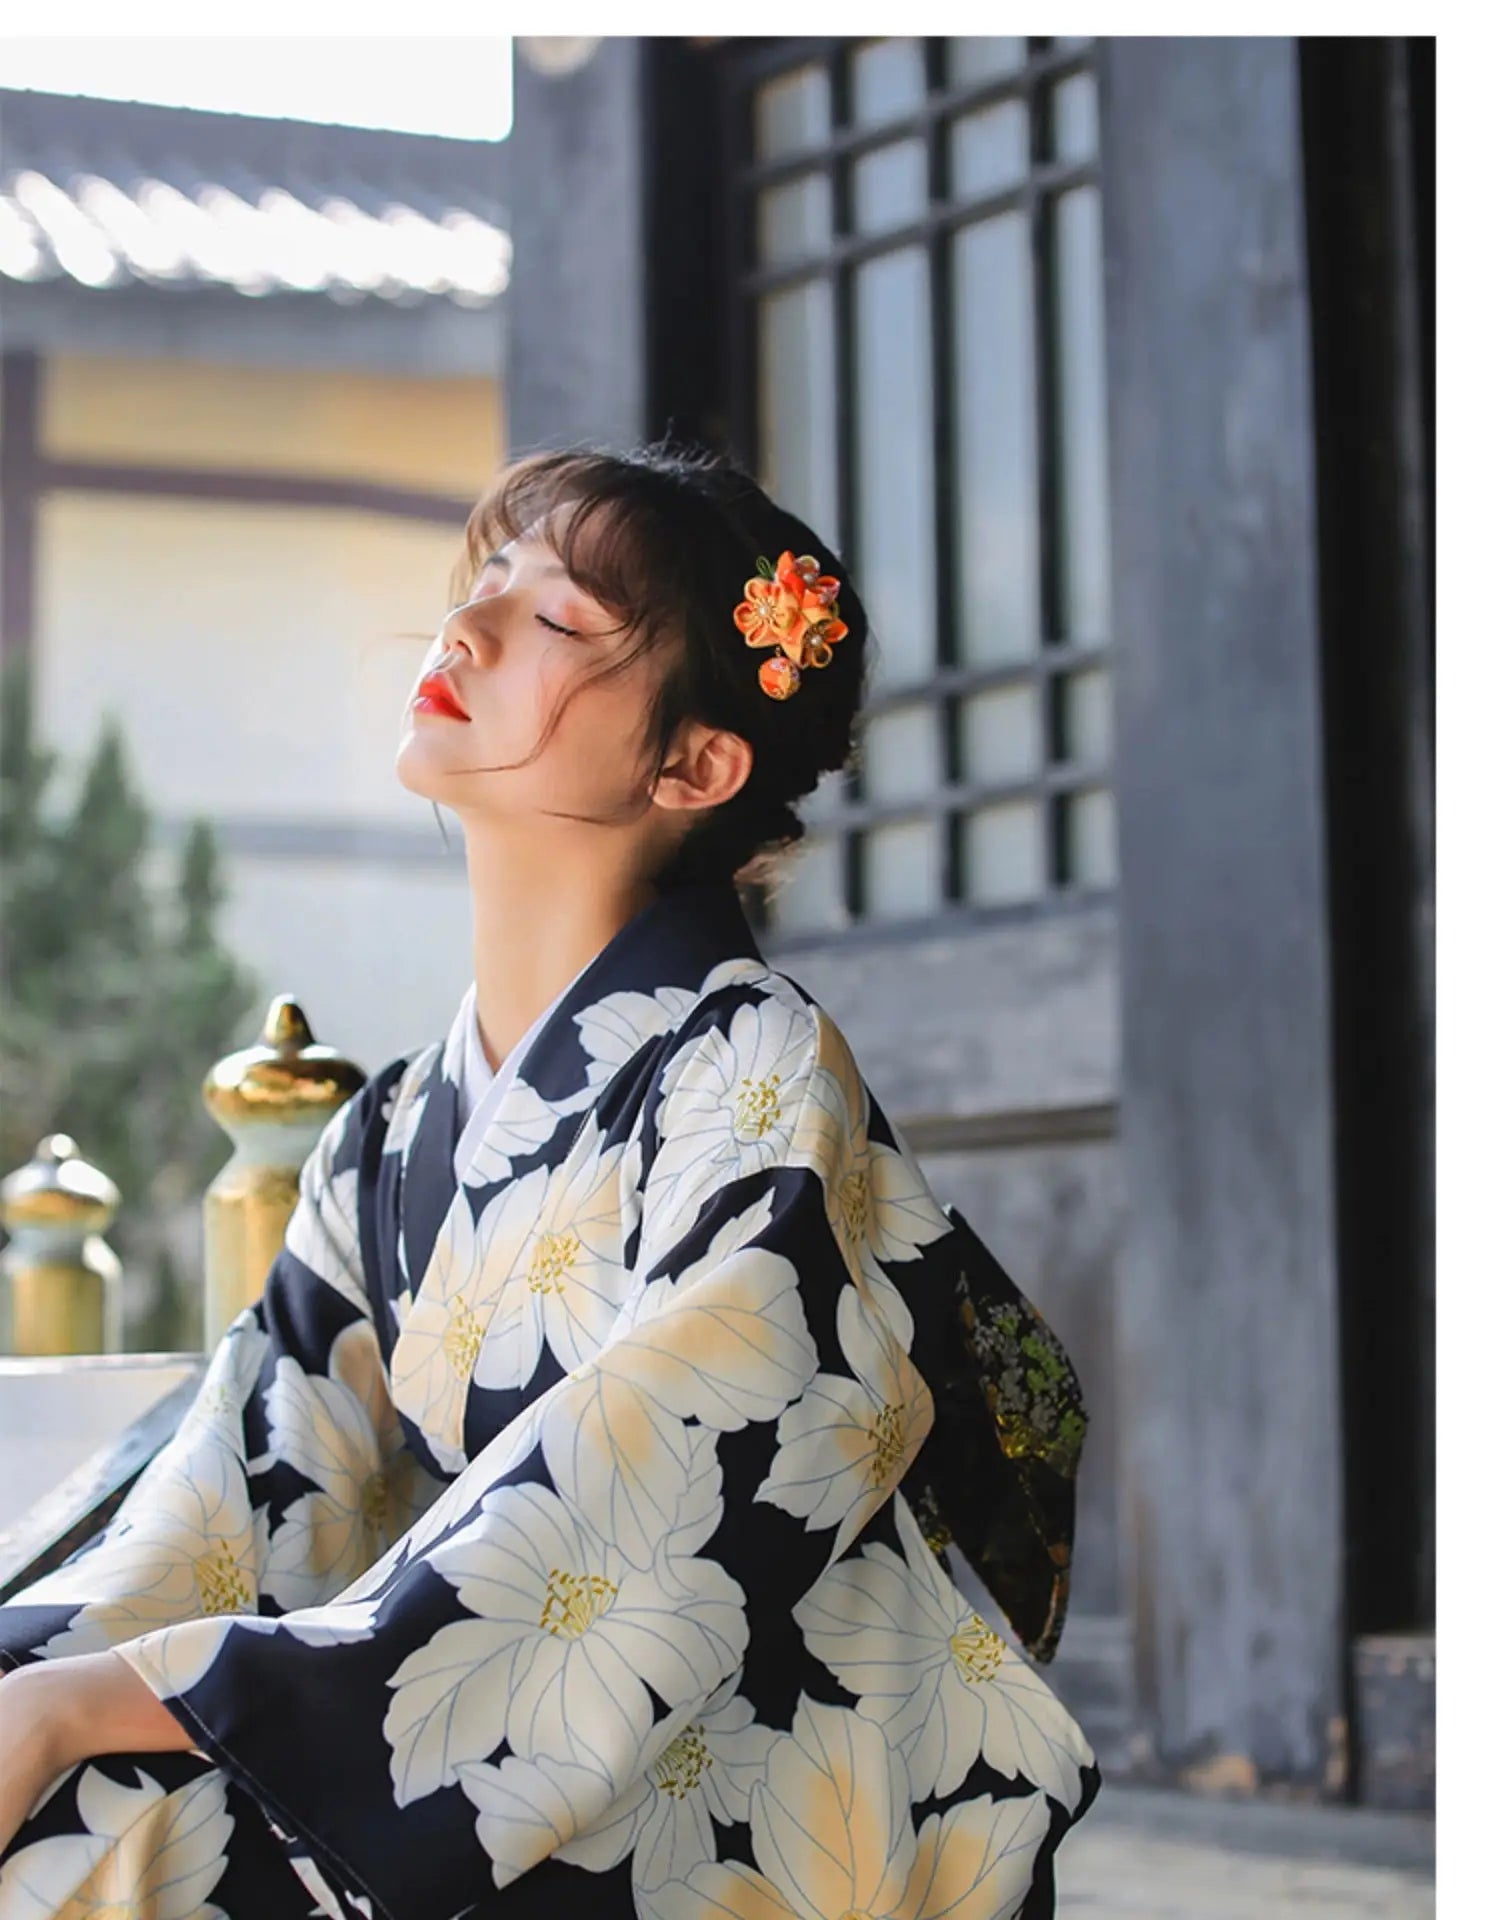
(222, 1586)
(977, 1650)
(758, 1107)
(683, 1764)
(890, 1440)
(375, 1502)
(854, 1199)
(575, 1601)
(551, 1261)
(461, 1339)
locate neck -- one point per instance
(539, 916)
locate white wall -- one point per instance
(378, 956)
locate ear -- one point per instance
(706, 766)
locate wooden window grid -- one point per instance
(1065, 780)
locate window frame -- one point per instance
(847, 816)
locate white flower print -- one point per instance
(659, 1234)
(522, 1122)
(701, 1507)
(565, 1639)
(614, 1029)
(831, 1829)
(729, 1107)
(219, 1404)
(323, 1231)
(457, 1501)
(327, 1905)
(173, 1660)
(695, 1769)
(542, 1265)
(183, 1545)
(143, 1851)
(405, 1104)
(441, 1330)
(529, 1809)
(553, 1254)
(944, 1685)
(879, 1205)
(724, 1343)
(342, 1433)
(847, 1443)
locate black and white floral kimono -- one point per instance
(548, 1541)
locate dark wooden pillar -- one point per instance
(618, 301)
(1229, 1348)
(576, 303)
(1368, 211)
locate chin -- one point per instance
(419, 766)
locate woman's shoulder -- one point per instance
(757, 1033)
(752, 1005)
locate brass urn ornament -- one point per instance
(60, 1289)
(273, 1100)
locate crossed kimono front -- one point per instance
(538, 1542)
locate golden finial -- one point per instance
(62, 1282)
(273, 1100)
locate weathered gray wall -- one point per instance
(957, 1021)
(1229, 1411)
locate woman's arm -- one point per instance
(57, 1712)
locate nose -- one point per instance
(475, 628)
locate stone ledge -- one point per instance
(1357, 1835)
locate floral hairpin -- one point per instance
(794, 608)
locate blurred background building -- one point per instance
(251, 386)
(1107, 368)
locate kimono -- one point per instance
(559, 1537)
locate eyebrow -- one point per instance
(555, 567)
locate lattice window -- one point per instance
(919, 369)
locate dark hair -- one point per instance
(666, 536)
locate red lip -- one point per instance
(436, 695)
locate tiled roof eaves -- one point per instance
(108, 193)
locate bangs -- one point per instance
(619, 544)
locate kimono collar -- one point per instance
(666, 953)
(674, 941)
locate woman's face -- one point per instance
(509, 655)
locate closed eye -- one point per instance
(553, 627)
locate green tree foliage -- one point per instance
(115, 997)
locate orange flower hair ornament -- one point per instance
(794, 608)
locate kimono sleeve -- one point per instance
(491, 1698)
(255, 1502)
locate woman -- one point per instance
(547, 1538)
